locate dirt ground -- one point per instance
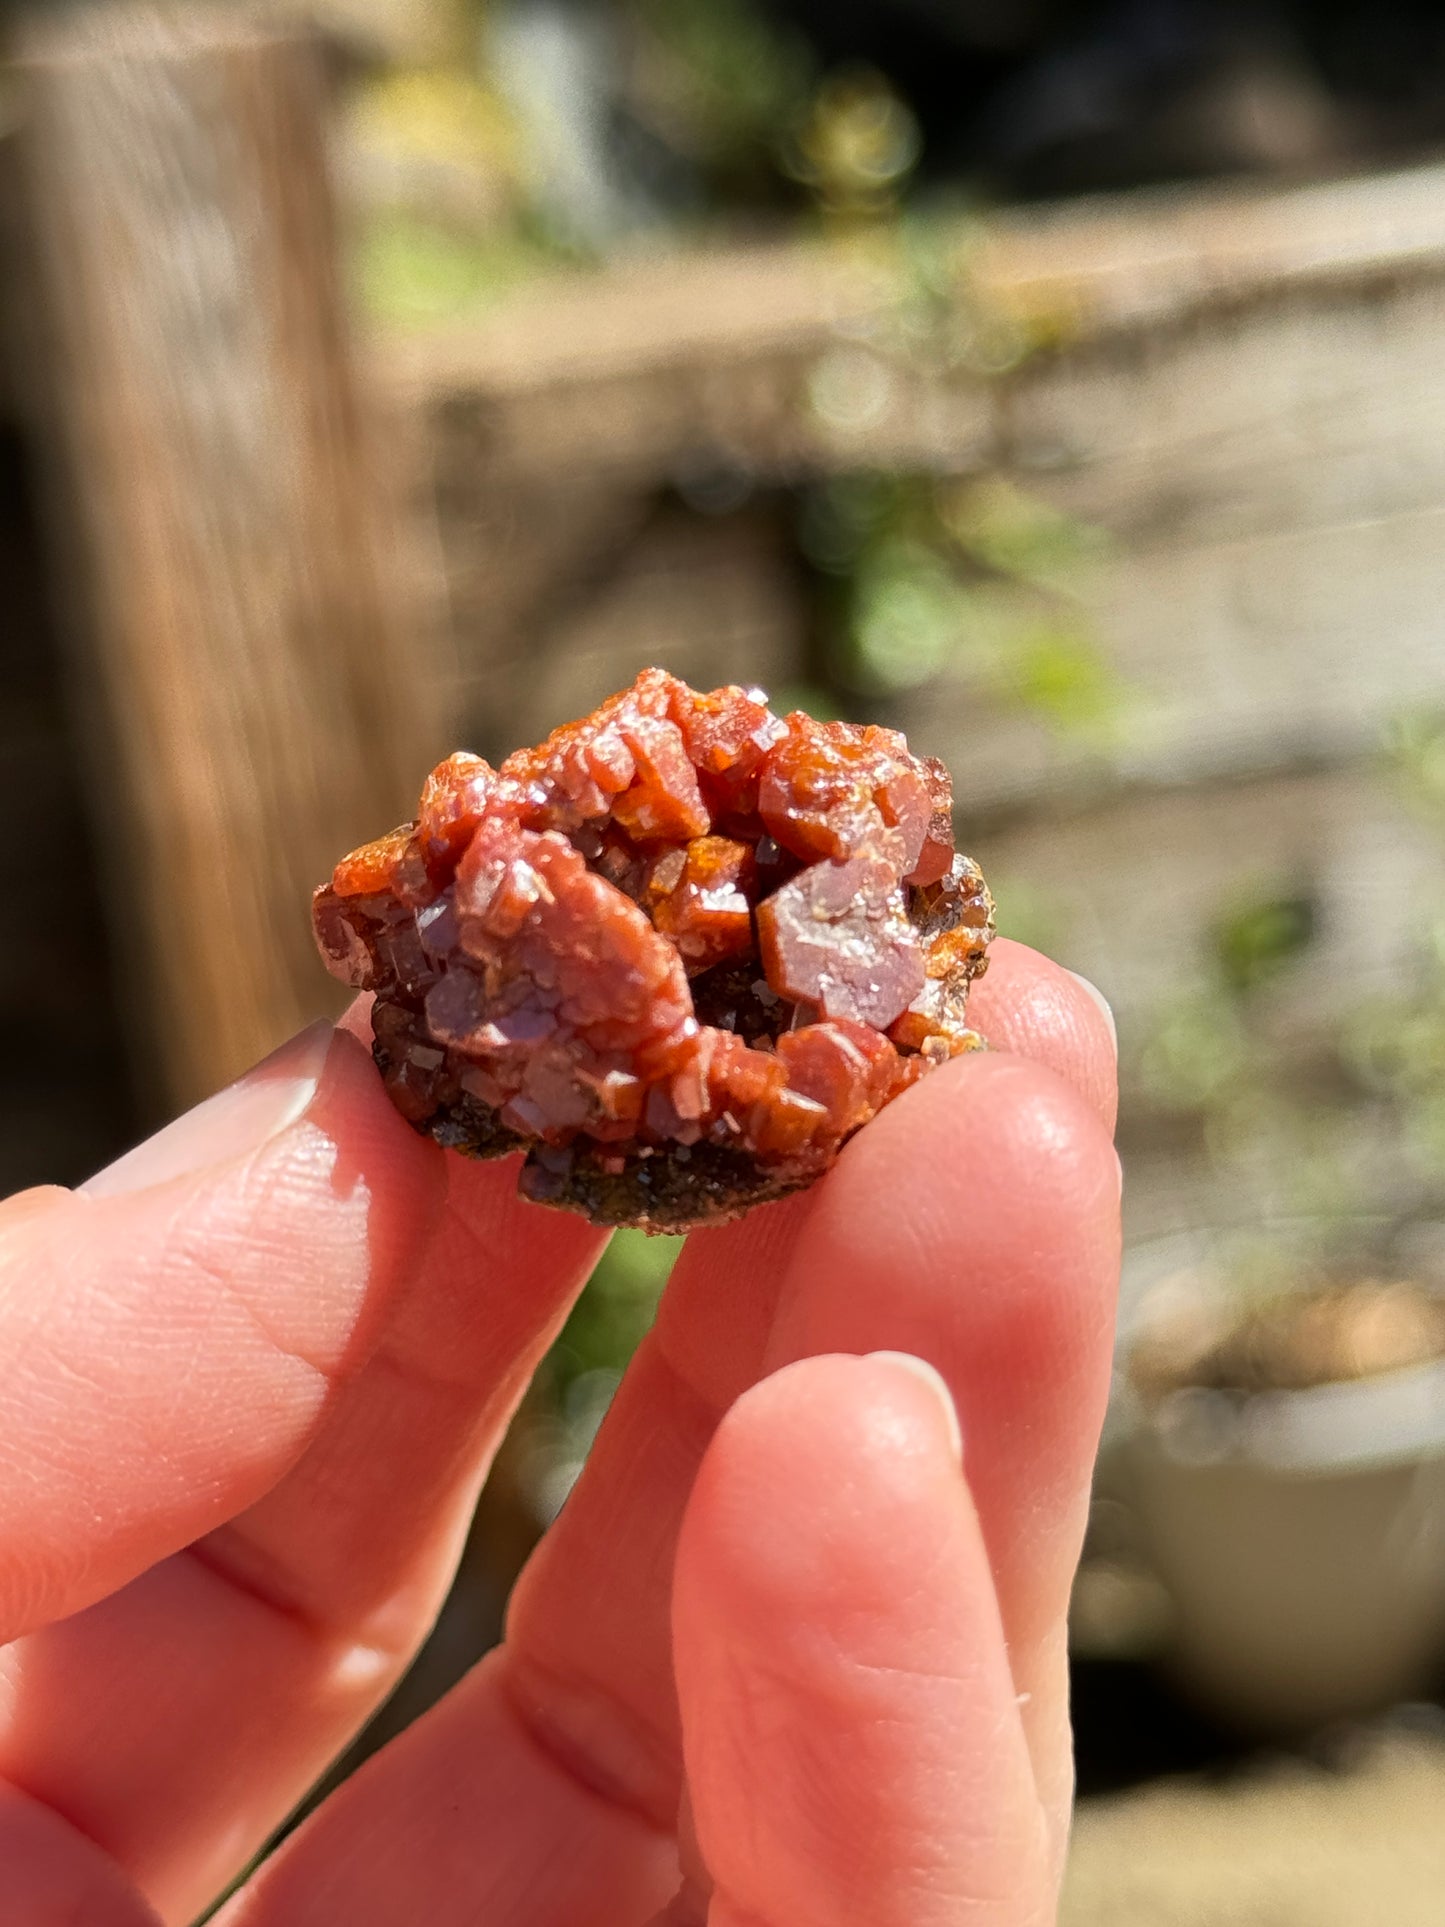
(1291, 1846)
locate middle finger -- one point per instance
(588, 1634)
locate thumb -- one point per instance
(170, 1333)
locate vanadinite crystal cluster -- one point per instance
(678, 953)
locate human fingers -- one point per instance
(998, 1264)
(587, 1673)
(974, 1223)
(850, 1722)
(853, 1742)
(238, 1669)
(55, 1877)
(175, 1331)
(1032, 1007)
(468, 1816)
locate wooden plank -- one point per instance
(1131, 262)
(1244, 390)
(10, 402)
(722, 594)
(1087, 270)
(1172, 322)
(255, 697)
(1320, 405)
(1235, 659)
(1132, 894)
(1135, 888)
(1294, 412)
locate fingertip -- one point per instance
(352, 1109)
(1101, 1003)
(842, 1408)
(936, 1386)
(352, 1166)
(822, 1482)
(21, 1207)
(1029, 1006)
(233, 1122)
(990, 1161)
(850, 1722)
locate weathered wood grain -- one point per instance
(217, 506)
(1286, 305)
(1137, 885)
(1245, 392)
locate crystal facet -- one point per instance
(678, 953)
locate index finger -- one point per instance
(174, 1332)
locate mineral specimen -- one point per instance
(678, 953)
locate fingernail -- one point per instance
(1093, 991)
(238, 1119)
(928, 1375)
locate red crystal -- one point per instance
(680, 951)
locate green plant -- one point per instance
(606, 1326)
(970, 576)
(1339, 1114)
(926, 576)
(728, 83)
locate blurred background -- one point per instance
(1058, 380)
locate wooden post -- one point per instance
(258, 707)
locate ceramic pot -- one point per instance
(1300, 1536)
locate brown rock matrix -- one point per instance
(679, 953)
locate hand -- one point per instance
(251, 1378)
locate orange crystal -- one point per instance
(679, 952)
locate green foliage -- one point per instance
(856, 146)
(842, 518)
(411, 271)
(906, 618)
(940, 322)
(935, 577)
(1332, 1120)
(1209, 1053)
(1013, 534)
(609, 1319)
(1393, 1044)
(1415, 754)
(811, 697)
(1257, 940)
(1026, 912)
(974, 578)
(1197, 1052)
(728, 77)
(1060, 676)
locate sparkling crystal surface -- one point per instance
(679, 952)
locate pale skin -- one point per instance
(785, 1660)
